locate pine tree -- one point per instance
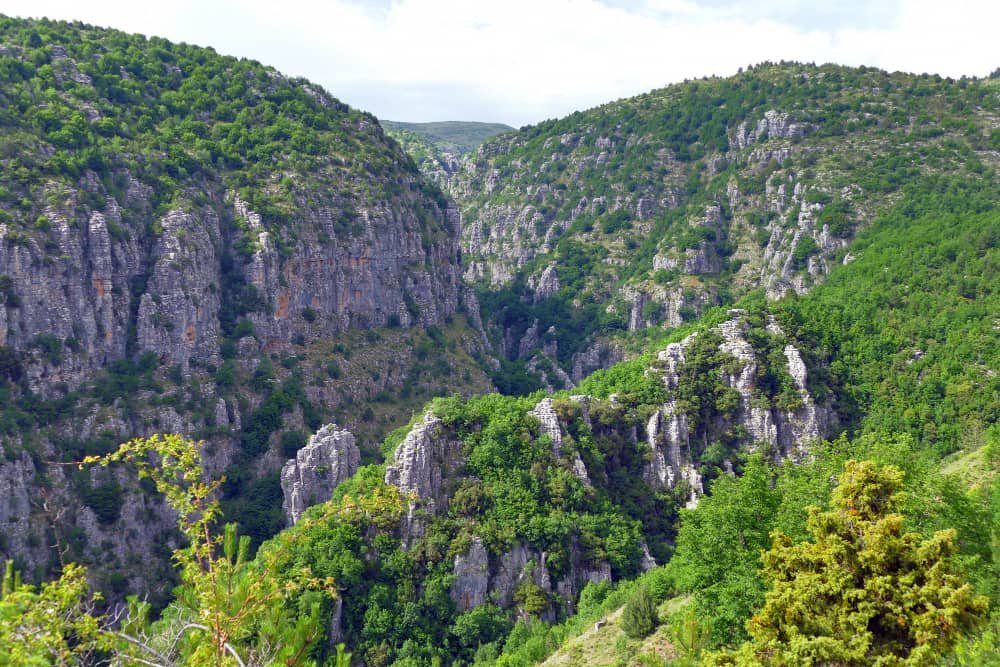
(640, 617)
(862, 592)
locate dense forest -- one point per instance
(745, 334)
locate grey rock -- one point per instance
(529, 341)
(600, 354)
(472, 576)
(547, 284)
(221, 414)
(702, 260)
(17, 474)
(787, 433)
(426, 457)
(774, 124)
(509, 574)
(549, 425)
(648, 562)
(330, 457)
(335, 633)
(178, 314)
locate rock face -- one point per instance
(546, 285)
(774, 124)
(330, 457)
(158, 291)
(592, 189)
(16, 509)
(178, 314)
(785, 433)
(550, 426)
(671, 459)
(472, 576)
(423, 461)
(84, 297)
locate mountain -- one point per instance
(643, 212)
(438, 148)
(876, 338)
(196, 243)
(526, 509)
(904, 338)
(799, 263)
(455, 136)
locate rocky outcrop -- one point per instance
(480, 579)
(550, 426)
(546, 285)
(178, 313)
(330, 457)
(21, 536)
(781, 432)
(430, 460)
(671, 459)
(82, 298)
(423, 461)
(774, 124)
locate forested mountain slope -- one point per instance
(513, 507)
(194, 243)
(645, 211)
(906, 336)
(438, 148)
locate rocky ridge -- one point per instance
(431, 461)
(661, 205)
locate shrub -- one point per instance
(862, 591)
(640, 617)
(291, 442)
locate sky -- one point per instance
(522, 61)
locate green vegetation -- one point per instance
(455, 137)
(862, 592)
(228, 610)
(107, 102)
(640, 617)
(51, 625)
(514, 491)
(669, 179)
(901, 340)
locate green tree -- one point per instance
(862, 592)
(230, 610)
(640, 617)
(49, 626)
(719, 546)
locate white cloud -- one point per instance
(523, 60)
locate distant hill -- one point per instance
(450, 136)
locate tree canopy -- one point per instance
(861, 591)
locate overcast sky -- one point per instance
(521, 61)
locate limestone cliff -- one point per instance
(220, 251)
(330, 457)
(782, 432)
